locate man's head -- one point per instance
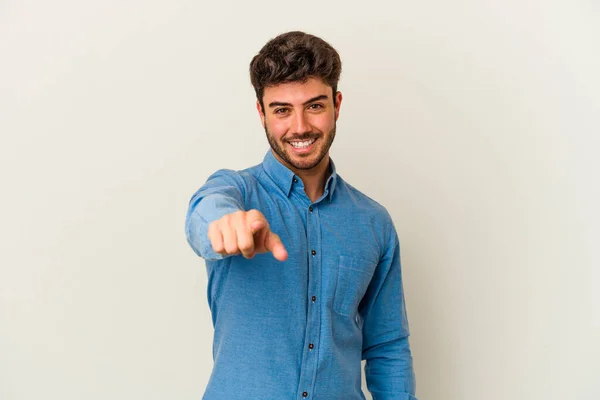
(295, 76)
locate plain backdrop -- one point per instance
(476, 123)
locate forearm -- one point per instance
(199, 218)
(220, 195)
(389, 370)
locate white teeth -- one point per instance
(302, 145)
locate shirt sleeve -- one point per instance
(223, 193)
(389, 366)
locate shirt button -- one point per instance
(314, 298)
(313, 253)
(310, 209)
(295, 180)
(311, 346)
(304, 394)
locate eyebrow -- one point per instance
(279, 103)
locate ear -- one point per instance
(260, 113)
(338, 104)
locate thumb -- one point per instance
(274, 245)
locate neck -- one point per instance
(314, 179)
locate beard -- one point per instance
(305, 162)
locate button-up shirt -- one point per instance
(298, 329)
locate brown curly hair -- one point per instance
(294, 57)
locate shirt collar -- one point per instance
(284, 177)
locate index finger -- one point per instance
(274, 245)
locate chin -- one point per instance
(304, 162)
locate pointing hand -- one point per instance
(245, 232)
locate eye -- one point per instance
(281, 111)
(315, 106)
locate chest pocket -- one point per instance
(354, 276)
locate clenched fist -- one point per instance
(245, 232)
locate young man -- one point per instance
(304, 274)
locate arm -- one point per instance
(389, 368)
(222, 194)
(217, 224)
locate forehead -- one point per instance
(296, 92)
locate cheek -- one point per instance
(277, 128)
(324, 122)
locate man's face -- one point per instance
(300, 120)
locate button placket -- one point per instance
(313, 231)
(313, 252)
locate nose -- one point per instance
(301, 125)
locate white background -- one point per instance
(476, 123)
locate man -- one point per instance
(304, 274)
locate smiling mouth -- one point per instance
(302, 144)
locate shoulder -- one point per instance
(360, 210)
(361, 200)
(370, 210)
(244, 179)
